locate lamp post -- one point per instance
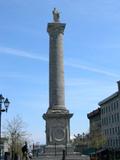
(6, 103)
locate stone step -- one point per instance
(59, 157)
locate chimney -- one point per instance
(118, 82)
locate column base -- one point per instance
(58, 149)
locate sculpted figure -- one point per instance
(56, 15)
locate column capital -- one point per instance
(53, 28)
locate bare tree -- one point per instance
(16, 134)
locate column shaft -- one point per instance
(56, 67)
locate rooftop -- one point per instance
(108, 98)
(111, 96)
(93, 113)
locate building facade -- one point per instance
(110, 119)
(95, 121)
(4, 146)
(95, 128)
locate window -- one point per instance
(112, 106)
(109, 120)
(112, 119)
(106, 120)
(117, 117)
(111, 142)
(107, 131)
(103, 110)
(106, 109)
(113, 130)
(110, 131)
(116, 142)
(118, 130)
(108, 142)
(109, 108)
(117, 104)
(102, 121)
(119, 142)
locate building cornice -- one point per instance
(108, 98)
(93, 113)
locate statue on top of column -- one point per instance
(56, 15)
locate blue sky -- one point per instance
(91, 58)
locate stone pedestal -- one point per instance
(57, 131)
(73, 156)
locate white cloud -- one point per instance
(21, 53)
(77, 82)
(25, 54)
(13, 75)
(107, 73)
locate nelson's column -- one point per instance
(57, 116)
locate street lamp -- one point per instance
(6, 105)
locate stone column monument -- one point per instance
(57, 116)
